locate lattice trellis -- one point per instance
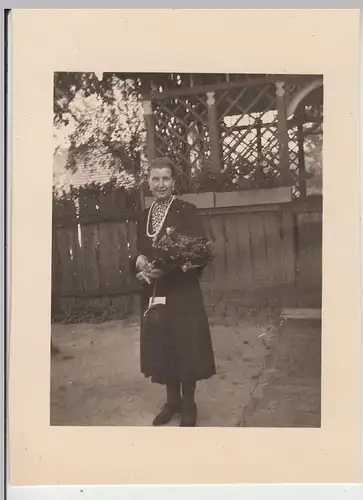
(247, 126)
(249, 135)
(181, 133)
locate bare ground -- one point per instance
(95, 378)
(288, 393)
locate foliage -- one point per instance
(237, 175)
(100, 124)
(314, 162)
(94, 189)
(66, 87)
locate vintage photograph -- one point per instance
(187, 250)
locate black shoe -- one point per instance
(189, 415)
(167, 413)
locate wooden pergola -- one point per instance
(233, 132)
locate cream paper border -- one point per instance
(255, 41)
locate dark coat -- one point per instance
(189, 349)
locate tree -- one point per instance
(99, 125)
(66, 87)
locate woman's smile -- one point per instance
(161, 182)
(162, 191)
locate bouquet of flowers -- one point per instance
(179, 250)
(173, 250)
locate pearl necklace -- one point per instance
(154, 234)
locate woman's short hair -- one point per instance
(163, 162)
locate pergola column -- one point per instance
(149, 125)
(214, 135)
(283, 136)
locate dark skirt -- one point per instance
(175, 340)
(157, 349)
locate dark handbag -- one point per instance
(155, 313)
(156, 337)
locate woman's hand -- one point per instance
(146, 271)
(154, 273)
(142, 263)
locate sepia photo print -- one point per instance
(187, 250)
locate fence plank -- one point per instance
(123, 251)
(288, 259)
(206, 221)
(209, 272)
(259, 251)
(274, 247)
(90, 257)
(108, 255)
(245, 266)
(309, 257)
(132, 236)
(231, 246)
(218, 230)
(56, 277)
(131, 229)
(76, 260)
(65, 263)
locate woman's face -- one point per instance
(161, 182)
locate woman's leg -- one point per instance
(172, 405)
(189, 407)
(173, 396)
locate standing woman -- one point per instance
(190, 353)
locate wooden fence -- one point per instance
(93, 237)
(269, 253)
(265, 254)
